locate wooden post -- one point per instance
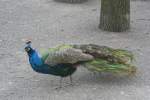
(115, 15)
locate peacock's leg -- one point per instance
(60, 82)
(71, 80)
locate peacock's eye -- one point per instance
(27, 49)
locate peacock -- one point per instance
(64, 60)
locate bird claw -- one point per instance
(58, 88)
(61, 87)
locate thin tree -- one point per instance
(115, 15)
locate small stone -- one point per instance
(122, 92)
(94, 88)
(12, 93)
(2, 89)
(10, 83)
(62, 30)
(19, 76)
(94, 9)
(36, 80)
(41, 45)
(138, 49)
(126, 47)
(23, 40)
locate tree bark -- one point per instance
(115, 15)
(72, 1)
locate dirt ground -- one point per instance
(48, 23)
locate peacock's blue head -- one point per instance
(34, 58)
(28, 48)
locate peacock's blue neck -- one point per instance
(35, 60)
(38, 64)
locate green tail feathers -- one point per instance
(116, 61)
(100, 65)
(123, 56)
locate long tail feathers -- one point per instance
(108, 59)
(123, 56)
(100, 65)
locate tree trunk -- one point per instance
(115, 15)
(72, 1)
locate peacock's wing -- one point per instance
(66, 54)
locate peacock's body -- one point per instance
(63, 60)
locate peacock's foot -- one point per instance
(64, 86)
(58, 88)
(67, 84)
